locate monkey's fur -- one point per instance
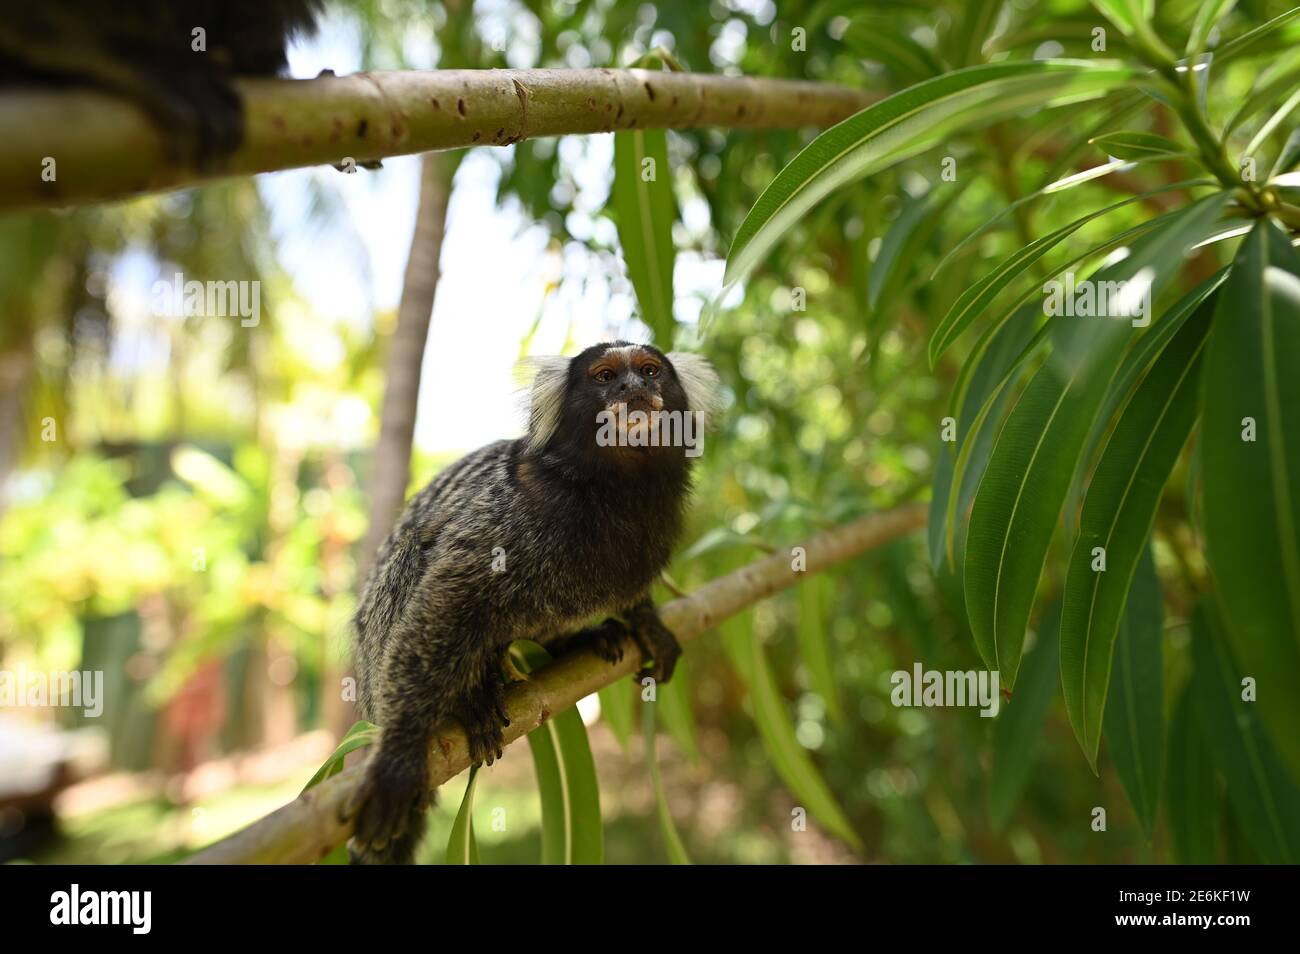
(576, 530)
(144, 51)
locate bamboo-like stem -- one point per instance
(309, 827)
(104, 147)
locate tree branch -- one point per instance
(308, 828)
(105, 147)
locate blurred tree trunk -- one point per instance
(391, 464)
(16, 369)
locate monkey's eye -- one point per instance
(650, 370)
(604, 375)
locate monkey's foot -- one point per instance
(658, 646)
(484, 720)
(390, 805)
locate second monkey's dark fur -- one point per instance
(522, 539)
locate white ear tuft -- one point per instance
(546, 379)
(699, 381)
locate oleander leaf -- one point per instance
(572, 833)
(1134, 721)
(1191, 788)
(642, 197)
(1028, 475)
(1265, 800)
(1018, 733)
(1250, 464)
(1118, 513)
(903, 125)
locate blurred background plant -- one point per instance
(194, 524)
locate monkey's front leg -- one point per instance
(656, 641)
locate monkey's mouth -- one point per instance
(634, 418)
(641, 401)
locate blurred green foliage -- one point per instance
(216, 504)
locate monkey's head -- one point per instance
(623, 405)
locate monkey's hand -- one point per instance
(390, 805)
(655, 640)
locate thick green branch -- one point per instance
(308, 828)
(104, 147)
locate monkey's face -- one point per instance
(631, 396)
(623, 404)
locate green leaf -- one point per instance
(1209, 14)
(769, 711)
(983, 384)
(1028, 475)
(572, 833)
(815, 598)
(1252, 487)
(672, 840)
(880, 38)
(1265, 800)
(903, 241)
(1244, 43)
(904, 125)
(461, 846)
(1058, 185)
(1276, 119)
(1018, 733)
(1275, 80)
(674, 701)
(1288, 157)
(989, 413)
(1118, 513)
(1125, 14)
(360, 735)
(1138, 145)
(1137, 362)
(1192, 789)
(975, 300)
(1135, 725)
(616, 709)
(642, 196)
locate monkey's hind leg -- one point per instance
(429, 674)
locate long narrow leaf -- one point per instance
(572, 832)
(1250, 460)
(1192, 789)
(1264, 799)
(672, 840)
(1024, 487)
(1117, 517)
(770, 714)
(1135, 724)
(1018, 733)
(642, 196)
(904, 125)
(461, 846)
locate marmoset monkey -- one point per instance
(522, 539)
(175, 59)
